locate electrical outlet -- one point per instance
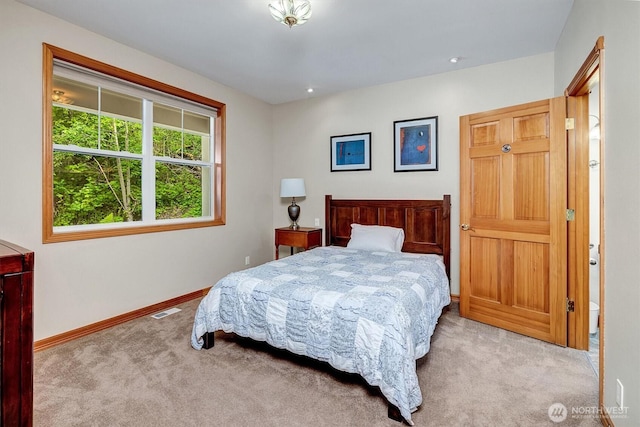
(619, 394)
(317, 222)
(247, 260)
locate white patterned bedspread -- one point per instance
(370, 313)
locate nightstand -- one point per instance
(303, 237)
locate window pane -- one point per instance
(179, 191)
(93, 189)
(74, 127)
(167, 142)
(120, 122)
(196, 123)
(88, 117)
(120, 135)
(180, 134)
(120, 105)
(70, 92)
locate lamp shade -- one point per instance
(292, 187)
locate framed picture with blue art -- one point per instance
(351, 152)
(415, 144)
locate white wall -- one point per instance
(78, 283)
(302, 135)
(619, 22)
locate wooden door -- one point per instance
(513, 238)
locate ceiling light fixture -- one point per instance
(58, 96)
(455, 59)
(290, 12)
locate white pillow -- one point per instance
(376, 238)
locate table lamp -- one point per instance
(293, 187)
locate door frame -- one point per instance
(578, 229)
(578, 180)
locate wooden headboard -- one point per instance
(426, 223)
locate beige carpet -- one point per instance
(145, 373)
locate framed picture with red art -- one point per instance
(415, 145)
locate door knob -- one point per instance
(465, 227)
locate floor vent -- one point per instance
(165, 313)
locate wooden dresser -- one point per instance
(16, 328)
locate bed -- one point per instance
(356, 303)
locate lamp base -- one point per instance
(294, 213)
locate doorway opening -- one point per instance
(586, 254)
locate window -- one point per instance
(124, 154)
